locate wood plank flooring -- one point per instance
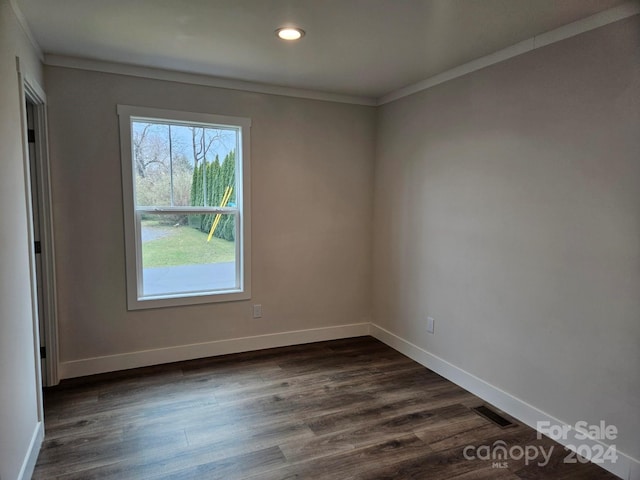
(345, 409)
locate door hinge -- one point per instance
(37, 247)
(31, 135)
(43, 352)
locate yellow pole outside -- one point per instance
(223, 203)
(225, 199)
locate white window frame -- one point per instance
(133, 244)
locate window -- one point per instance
(185, 179)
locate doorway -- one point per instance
(41, 231)
(37, 241)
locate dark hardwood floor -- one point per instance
(345, 409)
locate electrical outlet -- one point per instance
(257, 311)
(430, 325)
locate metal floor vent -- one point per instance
(495, 417)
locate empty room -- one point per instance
(319, 239)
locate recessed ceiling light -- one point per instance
(290, 33)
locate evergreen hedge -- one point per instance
(210, 180)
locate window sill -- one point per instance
(185, 299)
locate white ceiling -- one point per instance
(355, 47)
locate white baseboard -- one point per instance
(30, 459)
(626, 467)
(124, 361)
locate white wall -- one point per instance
(507, 206)
(312, 189)
(18, 383)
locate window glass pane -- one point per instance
(183, 165)
(178, 256)
(151, 161)
(212, 155)
(214, 183)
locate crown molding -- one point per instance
(566, 31)
(22, 20)
(199, 79)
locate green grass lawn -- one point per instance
(184, 245)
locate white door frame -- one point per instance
(32, 92)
